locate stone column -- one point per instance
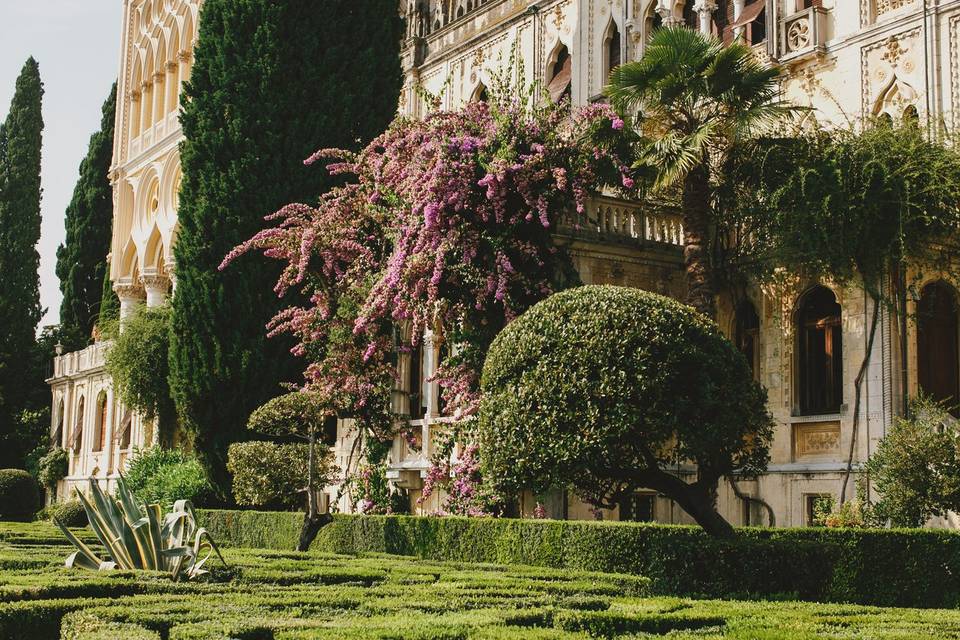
(705, 9)
(156, 285)
(667, 18)
(130, 295)
(737, 10)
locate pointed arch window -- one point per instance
(820, 352)
(76, 438)
(614, 55)
(57, 439)
(748, 336)
(100, 437)
(938, 344)
(418, 399)
(561, 73)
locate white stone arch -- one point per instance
(154, 252)
(894, 99)
(549, 71)
(147, 201)
(147, 117)
(136, 87)
(612, 30)
(128, 268)
(170, 176)
(160, 74)
(480, 90)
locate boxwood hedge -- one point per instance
(917, 568)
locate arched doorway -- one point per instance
(938, 351)
(820, 352)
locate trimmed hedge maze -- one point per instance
(284, 595)
(907, 568)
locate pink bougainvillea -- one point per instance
(444, 223)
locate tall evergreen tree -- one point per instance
(272, 82)
(20, 311)
(82, 259)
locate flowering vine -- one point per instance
(447, 225)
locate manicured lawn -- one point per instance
(286, 595)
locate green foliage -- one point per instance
(163, 476)
(136, 536)
(19, 495)
(21, 375)
(137, 361)
(69, 513)
(82, 259)
(837, 204)
(296, 596)
(602, 388)
(697, 101)
(916, 467)
(292, 414)
(53, 467)
(271, 83)
(270, 475)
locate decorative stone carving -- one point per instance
(156, 286)
(816, 439)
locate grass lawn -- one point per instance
(287, 595)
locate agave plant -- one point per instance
(137, 536)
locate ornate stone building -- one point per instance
(848, 59)
(845, 58)
(155, 59)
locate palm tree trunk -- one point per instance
(696, 236)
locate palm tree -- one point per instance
(695, 100)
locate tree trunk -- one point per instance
(311, 527)
(313, 520)
(698, 499)
(696, 236)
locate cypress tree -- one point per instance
(82, 259)
(272, 82)
(21, 376)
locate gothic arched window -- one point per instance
(77, 437)
(100, 435)
(614, 57)
(561, 73)
(748, 336)
(820, 352)
(938, 352)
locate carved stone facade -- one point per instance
(849, 61)
(156, 57)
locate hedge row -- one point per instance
(916, 568)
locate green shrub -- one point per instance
(268, 475)
(80, 625)
(70, 513)
(19, 495)
(163, 476)
(603, 389)
(52, 467)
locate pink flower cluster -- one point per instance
(447, 222)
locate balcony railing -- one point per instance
(803, 33)
(77, 362)
(613, 220)
(426, 16)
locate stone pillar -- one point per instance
(737, 10)
(667, 18)
(130, 295)
(156, 285)
(705, 9)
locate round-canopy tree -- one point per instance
(608, 389)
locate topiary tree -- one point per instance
(53, 467)
(163, 476)
(82, 259)
(275, 475)
(916, 467)
(606, 389)
(138, 363)
(19, 495)
(302, 415)
(272, 82)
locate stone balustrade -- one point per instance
(610, 219)
(80, 362)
